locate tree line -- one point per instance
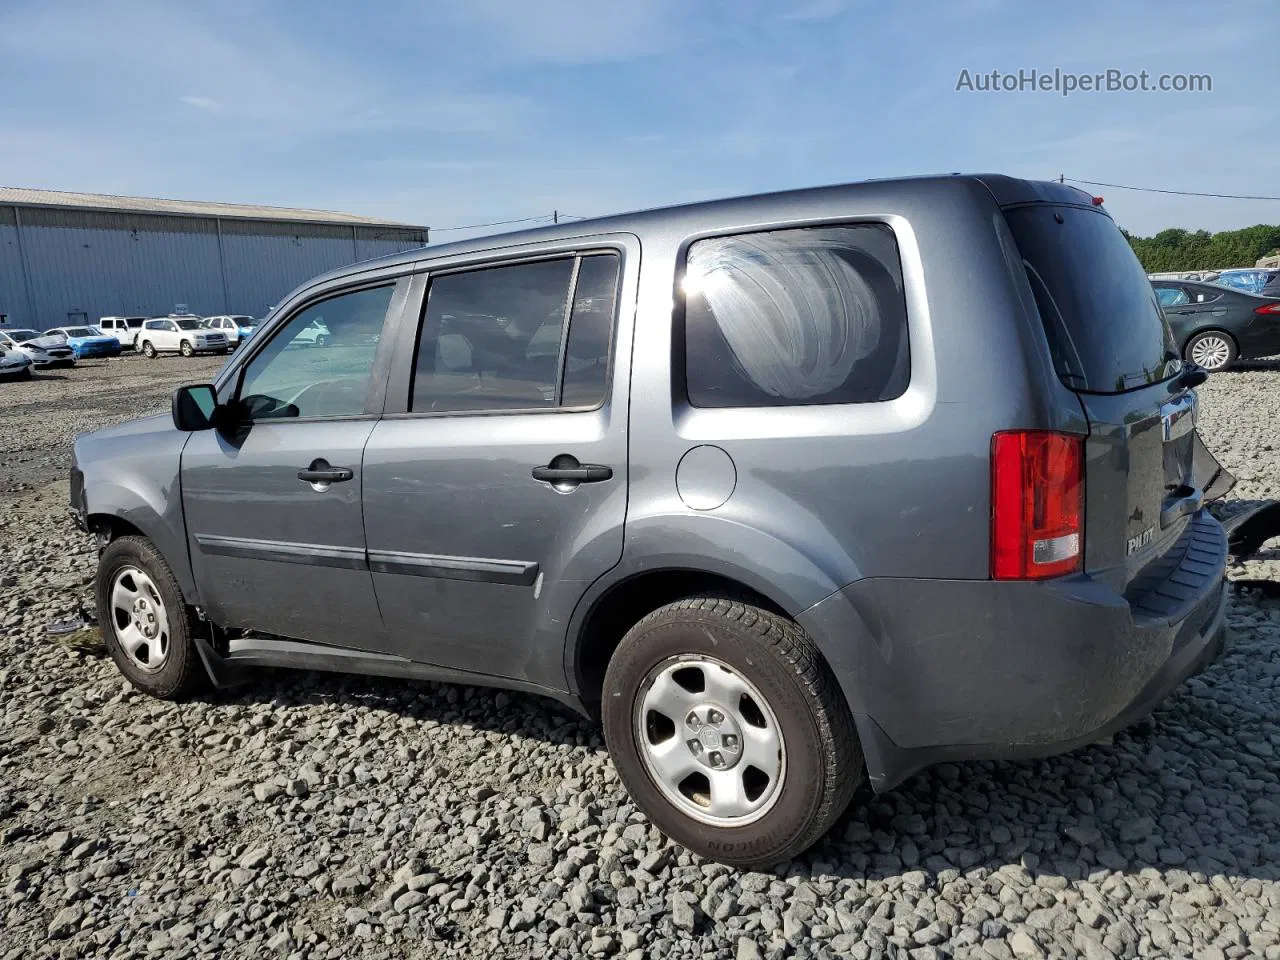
(1177, 249)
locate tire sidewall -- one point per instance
(169, 679)
(771, 837)
(185, 349)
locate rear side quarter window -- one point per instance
(813, 315)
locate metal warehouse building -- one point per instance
(69, 258)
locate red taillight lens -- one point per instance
(1037, 504)
(1268, 309)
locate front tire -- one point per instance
(185, 349)
(145, 623)
(1212, 349)
(729, 730)
(148, 350)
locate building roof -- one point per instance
(23, 197)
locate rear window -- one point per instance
(794, 317)
(1104, 326)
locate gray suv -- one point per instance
(791, 491)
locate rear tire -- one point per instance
(782, 760)
(145, 623)
(185, 349)
(148, 350)
(25, 374)
(1212, 349)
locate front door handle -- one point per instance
(565, 469)
(321, 472)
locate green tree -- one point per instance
(1179, 249)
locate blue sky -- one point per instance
(452, 113)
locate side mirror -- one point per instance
(194, 407)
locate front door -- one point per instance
(272, 500)
(499, 493)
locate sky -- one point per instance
(452, 113)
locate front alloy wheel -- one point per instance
(145, 623)
(140, 620)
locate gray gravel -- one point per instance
(318, 816)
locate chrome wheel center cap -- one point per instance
(144, 617)
(713, 736)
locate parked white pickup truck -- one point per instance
(124, 329)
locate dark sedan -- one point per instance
(1215, 326)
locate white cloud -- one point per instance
(204, 103)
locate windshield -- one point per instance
(1105, 328)
(21, 336)
(189, 324)
(82, 332)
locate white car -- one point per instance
(124, 329)
(236, 326)
(314, 334)
(14, 364)
(184, 335)
(43, 351)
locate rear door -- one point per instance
(495, 486)
(1112, 346)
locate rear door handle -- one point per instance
(567, 469)
(321, 472)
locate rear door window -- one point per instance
(1100, 314)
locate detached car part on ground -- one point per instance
(867, 528)
(43, 351)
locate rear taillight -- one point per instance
(1268, 309)
(1037, 504)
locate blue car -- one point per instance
(1265, 283)
(87, 341)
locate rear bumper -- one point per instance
(966, 670)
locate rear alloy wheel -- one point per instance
(148, 350)
(729, 730)
(186, 348)
(1212, 350)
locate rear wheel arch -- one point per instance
(605, 619)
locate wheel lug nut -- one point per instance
(715, 716)
(730, 742)
(716, 759)
(695, 747)
(692, 721)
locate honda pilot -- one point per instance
(791, 491)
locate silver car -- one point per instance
(793, 492)
(43, 350)
(14, 365)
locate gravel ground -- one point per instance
(316, 816)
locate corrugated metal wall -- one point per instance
(13, 291)
(85, 264)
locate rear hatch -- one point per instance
(1112, 347)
